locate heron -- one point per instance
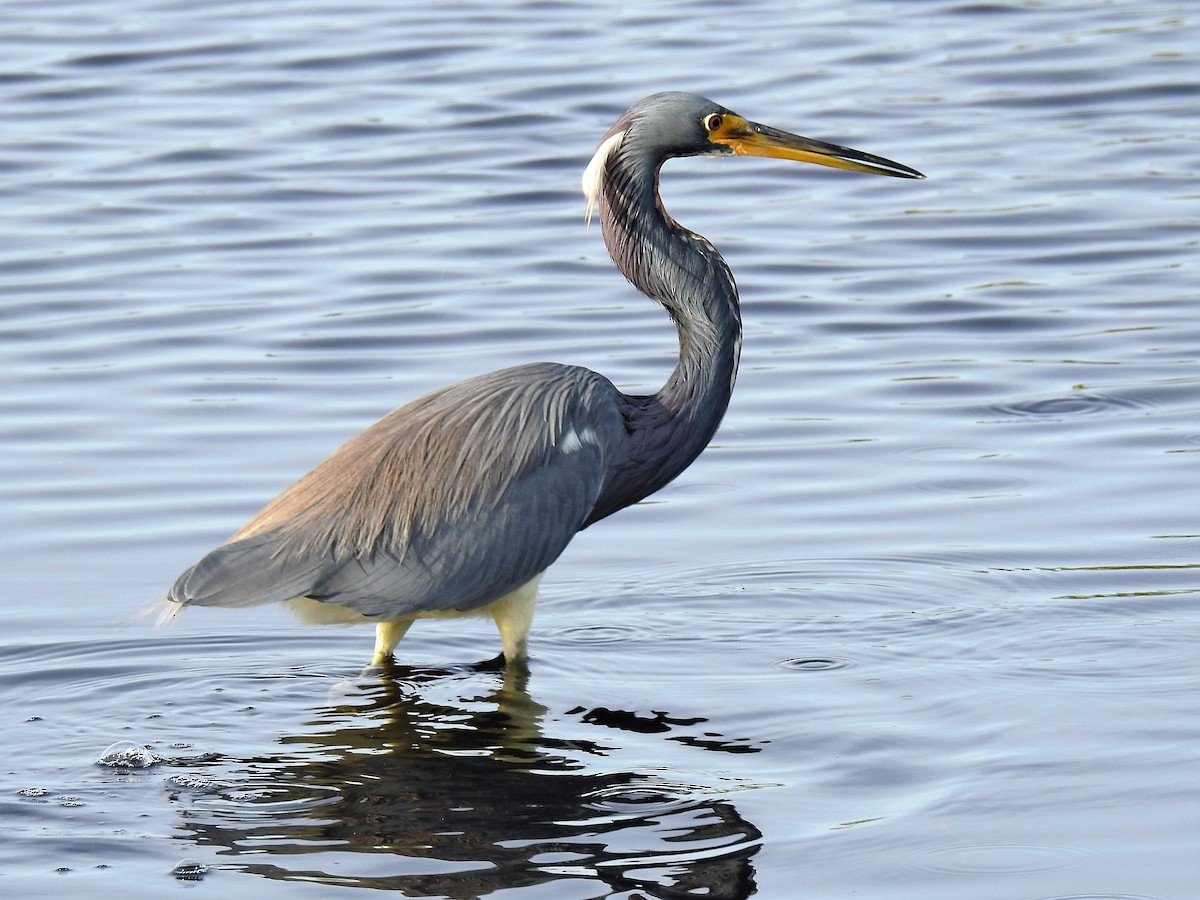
(456, 503)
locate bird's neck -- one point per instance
(706, 316)
(684, 273)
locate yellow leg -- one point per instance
(387, 636)
(513, 615)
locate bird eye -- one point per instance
(713, 121)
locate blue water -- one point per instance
(920, 623)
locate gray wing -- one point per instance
(447, 503)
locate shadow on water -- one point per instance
(443, 784)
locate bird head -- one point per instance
(675, 123)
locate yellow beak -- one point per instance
(751, 139)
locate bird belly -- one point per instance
(320, 612)
(512, 613)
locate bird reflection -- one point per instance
(446, 784)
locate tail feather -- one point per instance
(163, 609)
(244, 572)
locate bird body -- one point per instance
(456, 503)
(499, 472)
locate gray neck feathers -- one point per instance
(684, 273)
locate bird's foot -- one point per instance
(497, 663)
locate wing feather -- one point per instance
(447, 503)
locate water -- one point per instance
(920, 623)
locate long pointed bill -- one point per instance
(751, 139)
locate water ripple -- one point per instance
(998, 859)
(815, 664)
(1059, 408)
(237, 233)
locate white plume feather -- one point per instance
(593, 175)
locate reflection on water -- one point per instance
(449, 784)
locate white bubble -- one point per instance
(128, 755)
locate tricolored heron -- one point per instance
(456, 503)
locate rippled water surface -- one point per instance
(922, 622)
